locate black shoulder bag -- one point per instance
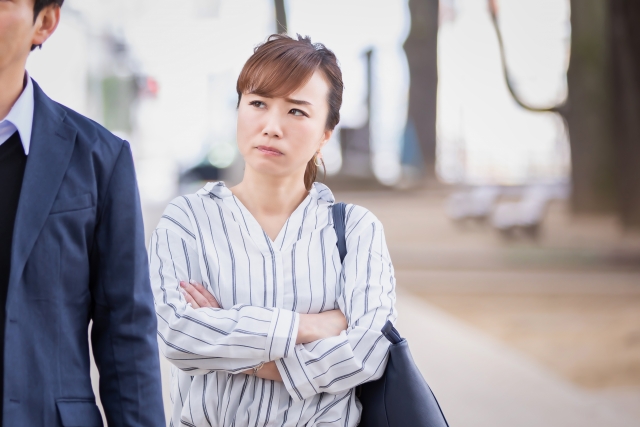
(401, 397)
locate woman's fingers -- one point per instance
(199, 294)
(195, 295)
(189, 299)
(204, 292)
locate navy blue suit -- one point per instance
(78, 255)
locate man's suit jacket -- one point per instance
(78, 254)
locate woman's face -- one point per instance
(278, 136)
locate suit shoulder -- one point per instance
(91, 132)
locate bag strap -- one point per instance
(338, 211)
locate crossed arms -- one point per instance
(311, 354)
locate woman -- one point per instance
(261, 322)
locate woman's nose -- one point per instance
(272, 127)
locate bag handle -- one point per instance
(391, 333)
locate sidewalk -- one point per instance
(481, 382)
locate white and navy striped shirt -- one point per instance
(261, 285)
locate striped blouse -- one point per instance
(262, 285)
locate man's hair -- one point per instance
(38, 5)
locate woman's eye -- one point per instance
(297, 112)
(258, 104)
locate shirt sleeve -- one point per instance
(208, 339)
(360, 353)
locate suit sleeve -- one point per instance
(123, 335)
(359, 354)
(208, 339)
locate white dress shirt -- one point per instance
(20, 117)
(262, 285)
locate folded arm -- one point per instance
(359, 354)
(209, 339)
(311, 327)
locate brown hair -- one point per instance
(281, 65)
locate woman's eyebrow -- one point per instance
(297, 101)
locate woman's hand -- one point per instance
(313, 327)
(197, 295)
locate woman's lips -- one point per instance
(269, 150)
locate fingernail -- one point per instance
(183, 292)
(182, 283)
(189, 304)
(193, 282)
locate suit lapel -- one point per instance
(52, 143)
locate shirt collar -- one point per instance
(220, 190)
(322, 192)
(21, 114)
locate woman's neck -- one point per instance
(270, 196)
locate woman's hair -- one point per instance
(281, 65)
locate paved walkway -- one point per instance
(481, 382)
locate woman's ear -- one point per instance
(325, 138)
(46, 23)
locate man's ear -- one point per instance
(45, 24)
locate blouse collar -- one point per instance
(219, 190)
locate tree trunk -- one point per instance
(625, 52)
(603, 109)
(422, 50)
(588, 110)
(281, 17)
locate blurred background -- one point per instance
(497, 140)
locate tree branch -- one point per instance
(559, 108)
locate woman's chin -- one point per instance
(269, 168)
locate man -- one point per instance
(71, 250)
